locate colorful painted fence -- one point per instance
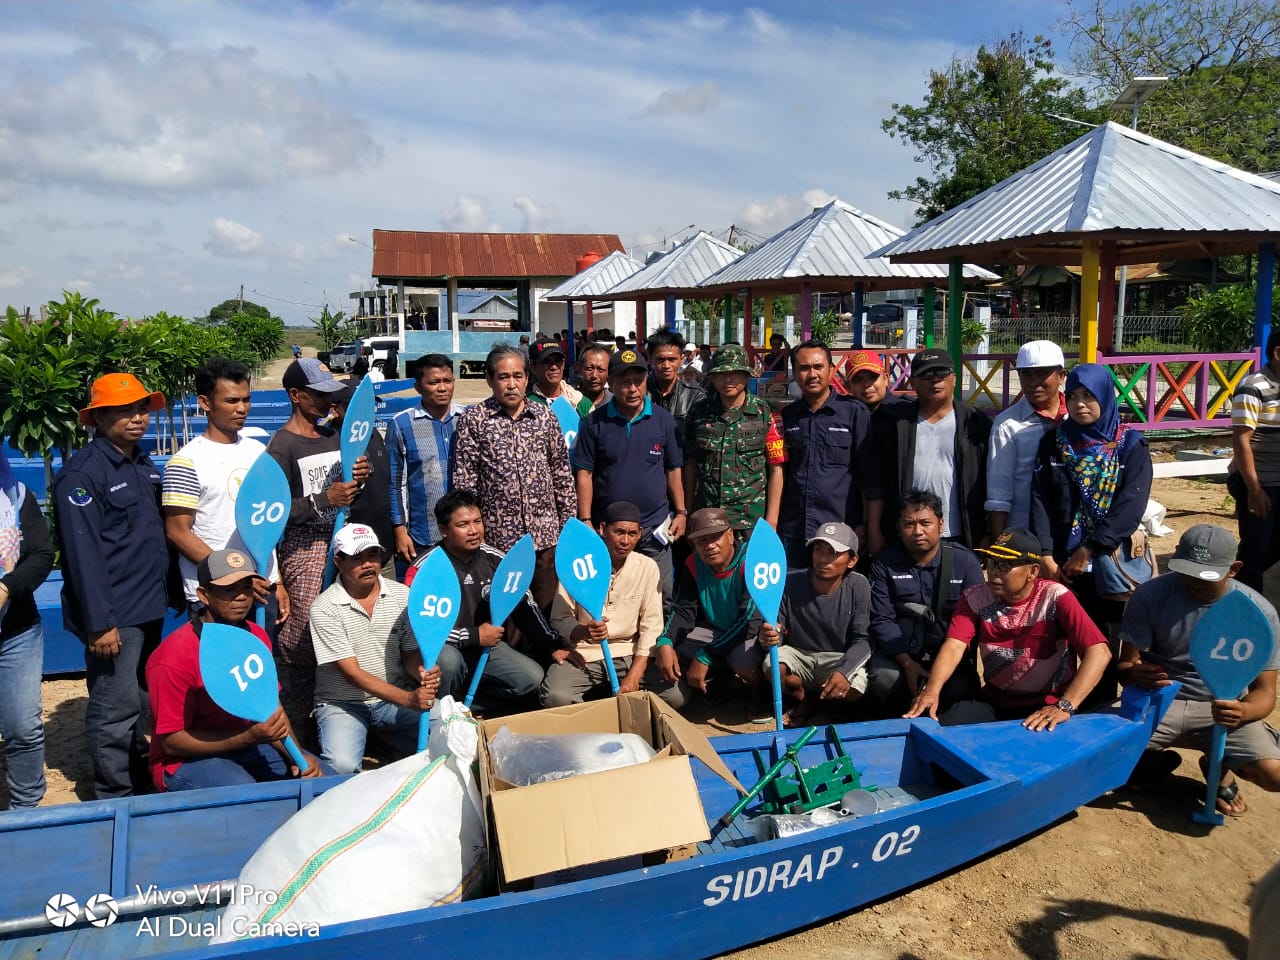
(1165, 391)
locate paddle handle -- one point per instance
(608, 666)
(330, 571)
(768, 776)
(1217, 747)
(260, 617)
(424, 730)
(775, 678)
(295, 754)
(475, 677)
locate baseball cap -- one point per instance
(927, 360)
(1040, 353)
(707, 522)
(839, 536)
(354, 539)
(860, 360)
(731, 359)
(545, 350)
(224, 567)
(627, 359)
(1014, 544)
(309, 374)
(1206, 552)
(118, 390)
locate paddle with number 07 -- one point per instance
(764, 565)
(583, 566)
(510, 582)
(239, 675)
(357, 427)
(434, 599)
(262, 510)
(1230, 646)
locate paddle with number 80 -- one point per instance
(357, 427)
(240, 676)
(583, 566)
(764, 565)
(510, 581)
(434, 599)
(262, 510)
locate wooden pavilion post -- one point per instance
(1107, 294)
(748, 318)
(642, 317)
(955, 321)
(859, 298)
(806, 310)
(671, 311)
(768, 320)
(1090, 255)
(928, 307)
(591, 318)
(1265, 297)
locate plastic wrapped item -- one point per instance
(774, 825)
(524, 759)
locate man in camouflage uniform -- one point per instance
(733, 447)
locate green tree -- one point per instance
(1222, 320)
(229, 308)
(984, 119)
(333, 327)
(1222, 58)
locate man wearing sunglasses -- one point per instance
(1041, 654)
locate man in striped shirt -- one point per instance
(369, 671)
(1254, 477)
(420, 442)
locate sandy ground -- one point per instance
(1128, 877)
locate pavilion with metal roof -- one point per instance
(590, 285)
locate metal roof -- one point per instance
(833, 244)
(597, 278)
(415, 255)
(1159, 201)
(679, 270)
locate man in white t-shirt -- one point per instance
(203, 479)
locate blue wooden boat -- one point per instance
(985, 786)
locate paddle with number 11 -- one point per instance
(763, 566)
(583, 566)
(434, 598)
(510, 581)
(240, 676)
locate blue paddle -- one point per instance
(434, 599)
(1229, 646)
(262, 510)
(583, 566)
(763, 566)
(240, 677)
(568, 419)
(510, 583)
(357, 426)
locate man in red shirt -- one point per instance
(1041, 654)
(194, 742)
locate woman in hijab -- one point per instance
(26, 557)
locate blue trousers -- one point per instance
(344, 729)
(510, 678)
(256, 764)
(21, 725)
(118, 716)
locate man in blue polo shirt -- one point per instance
(825, 435)
(629, 450)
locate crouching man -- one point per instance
(194, 742)
(369, 671)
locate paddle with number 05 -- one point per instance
(262, 510)
(583, 566)
(764, 565)
(510, 581)
(240, 676)
(434, 599)
(1229, 646)
(357, 427)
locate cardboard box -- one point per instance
(597, 817)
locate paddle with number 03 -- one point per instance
(583, 566)
(510, 581)
(357, 428)
(240, 676)
(262, 510)
(434, 599)
(1229, 646)
(764, 565)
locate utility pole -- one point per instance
(242, 298)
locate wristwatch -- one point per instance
(1066, 706)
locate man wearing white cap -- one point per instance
(1017, 431)
(1155, 650)
(369, 670)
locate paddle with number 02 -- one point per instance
(262, 510)
(357, 427)
(510, 581)
(434, 599)
(1229, 646)
(583, 566)
(764, 565)
(240, 676)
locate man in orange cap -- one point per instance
(114, 559)
(868, 381)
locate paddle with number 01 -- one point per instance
(434, 599)
(568, 419)
(510, 581)
(583, 566)
(1229, 646)
(763, 566)
(262, 510)
(240, 676)
(357, 428)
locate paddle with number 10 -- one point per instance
(764, 565)
(510, 581)
(357, 428)
(240, 676)
(583, 566)
(1229, 646)
(262, 510)
(434, 598)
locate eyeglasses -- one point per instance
(1004, 566)
(937, 373)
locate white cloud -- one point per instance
(14, 277)
(230, 239)
(538, 217)
(699, 98)
(767, 217)
(468, 214)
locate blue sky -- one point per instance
(159, 155)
